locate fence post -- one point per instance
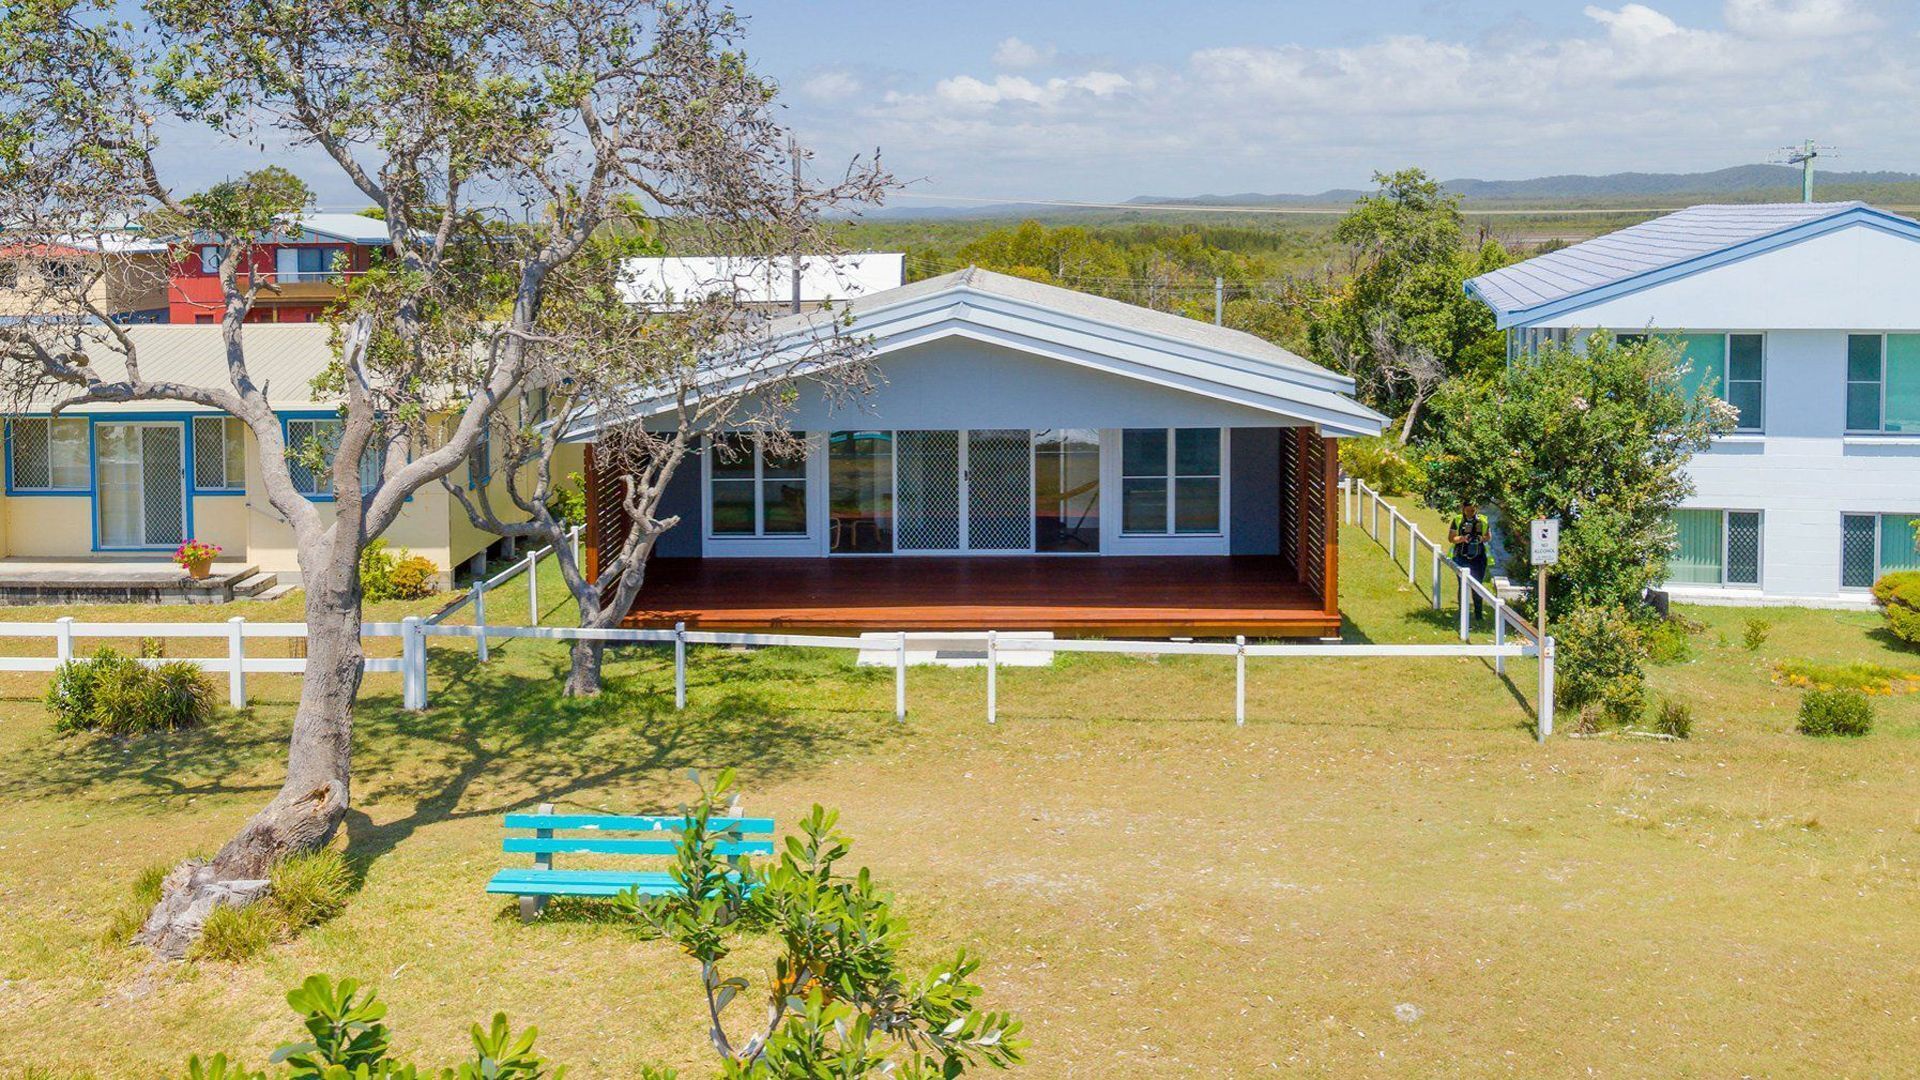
(63, 638)
(480, 617)
(236, 662)
(993, 676)
(413, 664)
(1346, 500)
(1499, 634)
(679, 665)
(1413, 553)
(533, 591)
(1393, 536)
(1545, 711)
(1466, 603)
(1373, 502)
(900, 677)
(1240, 680)
(576, 545)
(1436, 577)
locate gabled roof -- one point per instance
(349, 228)
(1073, 327)
(283, 358)
(1677, 244)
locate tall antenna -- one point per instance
(1804, 156)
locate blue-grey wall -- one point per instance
(1254, 493)
(682, 497)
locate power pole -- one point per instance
(1219, 301)
(1804, 156)
(793, 151)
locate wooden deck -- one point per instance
(1072, 596)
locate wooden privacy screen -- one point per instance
(606, 521)
(1309, 512)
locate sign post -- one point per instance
(1545, 533)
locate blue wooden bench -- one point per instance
(609, 834)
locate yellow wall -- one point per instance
(222, 520)
(50, 526)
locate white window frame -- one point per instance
(1879, 384)
(759, 535)
(1726, 548)
(50, 488)
(1727, 380)
(1115, 541)
(232, 430)
(1879, 535)
(1173, 478)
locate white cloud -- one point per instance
(1018, 55)
(831, 86)
(1634, 89)
(1798, 18)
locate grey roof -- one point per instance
(1653, 245)
(283, 359)
(1116, 313)
(353, 228)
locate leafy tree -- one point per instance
(1402, 324)
(495, 139)
(1597, 436)
(838, 1002)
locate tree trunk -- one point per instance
(309, 807)
(583, 680)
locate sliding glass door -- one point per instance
(1066, 484)
(999, 491)
(142, 494)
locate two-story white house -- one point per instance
(1806, 318)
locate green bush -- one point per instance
(1675, 718)
(1756, 633)
(1670, 640)
(310, 888)
(1898, 595)
(116, 694)
(1382, 462)
(414, 578)
(234, 934)
(568, 502)
(1599, 653)
(1835, 712)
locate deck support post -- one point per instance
(1240, 680)
(480, 618)
(993, 676)
(236, 662)
(1545, 711)
(900, 677)
(530, 906)
(679, 666)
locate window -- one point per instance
(318, 483)
(1746, 382)
(860, 492)
(219, 454)
(480, 462)
(1715, 547)
(758, 486)
(209, 259)
(48, 454)
(1873, 545)
(1883, 382)
(1066, 489)
(292, 265)
(1170, 481)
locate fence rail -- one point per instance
(413, 633)
(1362, 506)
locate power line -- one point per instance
(1303, 211)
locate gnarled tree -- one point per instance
(493, 138)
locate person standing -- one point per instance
(1468, 533)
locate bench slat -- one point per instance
(561, 845)
(579, 883)
(626, 823)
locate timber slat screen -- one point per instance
(606, 520)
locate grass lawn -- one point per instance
(1156, 891)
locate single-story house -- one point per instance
(1804, 317)
(105, 492)
(1032, 458)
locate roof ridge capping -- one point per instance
(1660, 249)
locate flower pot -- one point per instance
(199, 569)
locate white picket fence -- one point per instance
(1362, 506)
(476, 596)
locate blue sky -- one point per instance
(1106, 99)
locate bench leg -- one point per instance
(530, 907)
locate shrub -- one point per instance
(1898, 595)
(1756, 633)
(153, 648)
(568, 502)
(1670, 640)
(414, 578)
(376, 571)
(70, 694)
(309, 888)
(1835, 712)
(1599, 652)
(1675, 718)
(1380, 460)
(177, 695)
(118, 695)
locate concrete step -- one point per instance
(274, 593)
(254, 585)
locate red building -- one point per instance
(303, 269)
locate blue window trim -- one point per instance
(195, 489)
(57, 493)
(314, 414)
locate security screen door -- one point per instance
(142, 484)
(963, 490)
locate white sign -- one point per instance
(1546, 541)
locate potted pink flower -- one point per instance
(196, 557)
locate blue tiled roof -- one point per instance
(1647, 248)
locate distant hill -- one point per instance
(1740, 183)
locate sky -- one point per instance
(1109, 99)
